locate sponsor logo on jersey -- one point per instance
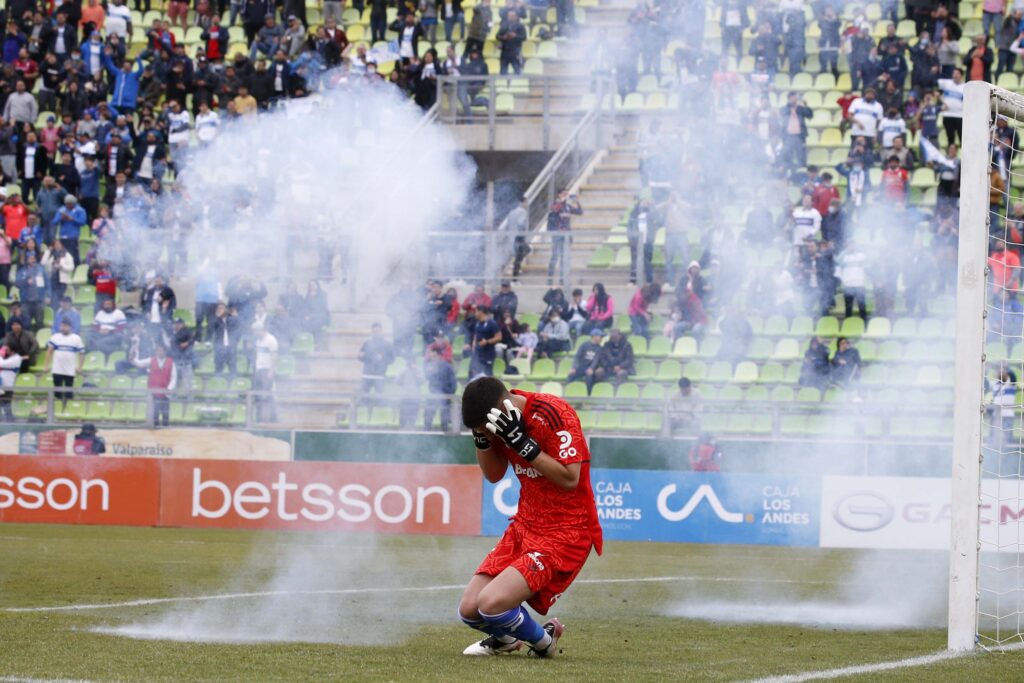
(538, 566)
(528, 471)
(565, 447)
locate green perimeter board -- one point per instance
(739, 455)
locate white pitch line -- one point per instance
(859, 669)
(17, 679)
(400, 589)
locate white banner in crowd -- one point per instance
(913, 513)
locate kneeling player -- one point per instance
(551, 535)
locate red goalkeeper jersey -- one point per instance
(543, 507)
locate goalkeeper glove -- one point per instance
(510, 427)
(481, 441)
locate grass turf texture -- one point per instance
(616, 631)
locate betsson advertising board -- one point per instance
(428, 499)
(689, 507)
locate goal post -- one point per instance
(969, 371)
(986, 592)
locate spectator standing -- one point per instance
(68, 224)
(182, 352)
(442, 384)
(852, 274)
(162, 378)
(559, 224)
(978, 60)
(806, 221)
(31, 282)
(1007, 37)
(265, 369)
(737, 335)
(865, 113)
(992, 12)
(518, 222)
(511, 36)
(953, 105)
(60, 267)
(65, 354)
(640, 232)
(705, 454)
(224, 331)
(486, 334)
(479, 27)
(828, 42)
(793, 123)
(376, 354)
(21, 106)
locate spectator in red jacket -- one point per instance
(895, 181)
(824, 193)
(704, 455)
(479, 297)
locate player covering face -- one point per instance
(550, 537)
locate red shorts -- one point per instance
(548, 562)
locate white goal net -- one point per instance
(987, 556)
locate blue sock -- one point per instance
(483, 626)
(517, 623)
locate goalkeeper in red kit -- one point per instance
(550, 537)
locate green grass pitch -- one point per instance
(618, 629)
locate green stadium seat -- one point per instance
(710, 347)
(669, 371)
(720, 371)
(757, 393)
(634, 422)
(98, 411)
(933, 328)
(745, 373)
(554, 388)
(94, 361)
(808, 395)
(868, 350)
(564, 368)
(852, 327)
(878, 328)
(543, 370)
(25, 408)
(603, 390)
(645, 370)
(72, 411)
(685, 347)
(714, 422)
(772, 373)
(653, 392)
(695, 371)
(827, 326)
(904, 327)
(995, 352)
(792, 373)
(576, 390)
(890, 351)
(285, 366)
(303, 344)
(609, 421)
(25, 380)
(529, 386)
(802, 326)
(760, 349)
(639, 345)
(787, 349)
(113, 359)
(793, 424)
(659, 347)
(731, 394)
(602, 257)
(241, 385)
(628, 390)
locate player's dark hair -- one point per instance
(479, 397)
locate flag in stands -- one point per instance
(933, 155)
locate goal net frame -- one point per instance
(982, 102)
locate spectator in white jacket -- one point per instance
(854, 278)
(60, 268)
